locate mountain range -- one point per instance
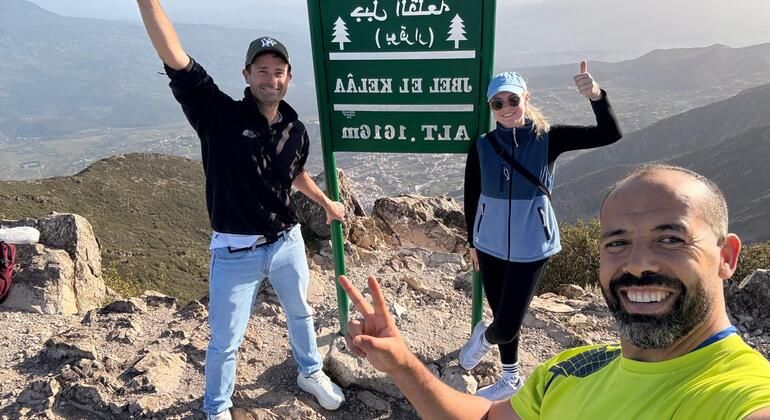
(62, 75)
(76, 90)
(727, 141)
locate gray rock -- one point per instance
(464, 281)
(450, 269)
(126, 331)
(578, 319)
(159, 300)
(747, 302)
(414, 221)
(163, 370)
(91, 318)
(413, 264)
(125, 306)
(459, 379)
(87, 395)
(398, 309)
(44, 282)
(70, 345)
(437, 294)
(414, 282)
(295, 409)
(571, 291)
(439, 258)
(374, 402)
(194, 310)
(348, 370)
(63, 273)
(39, 395)
(75, 235)
(147, 405)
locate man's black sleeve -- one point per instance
(199, 96)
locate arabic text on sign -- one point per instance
(409, 8)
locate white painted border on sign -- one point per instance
(416, 55)
(403, 108)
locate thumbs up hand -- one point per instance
(586, 84)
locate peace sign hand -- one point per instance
(375, 337)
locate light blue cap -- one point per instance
(506, 82)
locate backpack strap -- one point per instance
(529, 176)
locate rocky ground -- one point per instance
(143, 357)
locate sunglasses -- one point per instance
(498, 104)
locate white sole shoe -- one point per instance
(476, 347)
(326, 392)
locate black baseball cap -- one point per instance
(265, 44)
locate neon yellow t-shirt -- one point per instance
(724, 380)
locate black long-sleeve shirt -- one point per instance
(249, 163)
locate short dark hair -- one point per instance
(715, 210)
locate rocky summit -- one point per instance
(72, 348)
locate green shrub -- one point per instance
(752, 257)
(120, 284)
(578, 261)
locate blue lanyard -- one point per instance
(718, 336)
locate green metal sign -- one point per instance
(404, 76)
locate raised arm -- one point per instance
(162, 34)
(376, 338)
(564, 138)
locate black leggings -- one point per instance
(509, 287)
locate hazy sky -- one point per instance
(545, 25)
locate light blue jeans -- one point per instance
(233, 285)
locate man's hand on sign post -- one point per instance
(586, 84)
(334, 211)
(375, 336)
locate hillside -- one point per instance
(60, 75)
(655, 86)
(738, 165)
(683, 133)
(93, 87)
(148, 212)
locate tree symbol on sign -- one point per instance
(340, 33)
(457, 31)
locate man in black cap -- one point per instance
(253, 151)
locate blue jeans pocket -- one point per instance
(224, 254)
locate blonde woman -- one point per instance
(512, 228)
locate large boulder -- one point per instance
(313, 217)
(44, 281)
(432, 223)
(62, 274)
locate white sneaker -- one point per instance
(328, 394)
(476, 347)
(225, 415)
(502, 389)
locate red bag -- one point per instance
(7, 262)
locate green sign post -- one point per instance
(399, 76)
